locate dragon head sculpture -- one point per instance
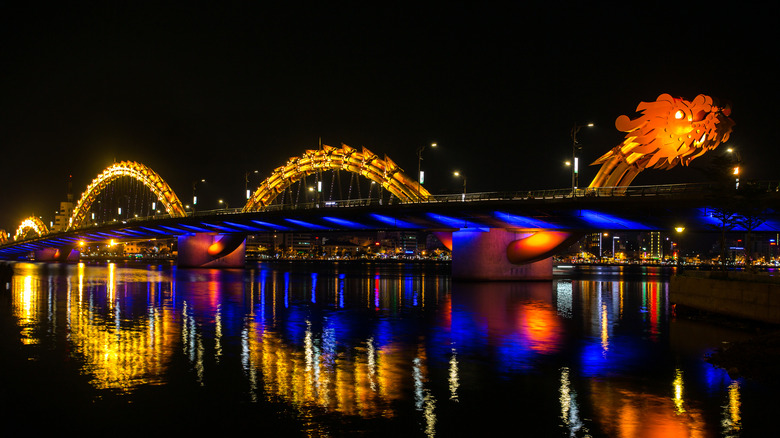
(669, 131)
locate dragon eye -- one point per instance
(679, 115)
(701, 115)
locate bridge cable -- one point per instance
(332, 181)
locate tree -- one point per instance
(727, 218)
(751, 210)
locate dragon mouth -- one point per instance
(701, 140)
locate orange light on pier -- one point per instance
(536, 247)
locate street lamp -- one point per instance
(246, 182)
(575, 171)
(195, 193)
(458, 174)
(736, 160)
(614, 238)
(221, 202)
(420, 176)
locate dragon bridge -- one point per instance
(669, 131)
(32, 223)
(364, 163)
(139, 172)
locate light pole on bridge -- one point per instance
(420, 178)
(459, 174)
(195, 194)
(736, 160)
(246, 182)
(575, 171)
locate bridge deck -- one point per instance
(643, 208)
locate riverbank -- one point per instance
(755, 359)
(751, 296)
(739, 300)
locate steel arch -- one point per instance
(133, 169)
(31, 223)
(364, 163)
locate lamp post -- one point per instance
(679, 229)
(195, 194)
(246, 182)
(614, 238)
(221, 203)
(736, 159)
(575, 171)
(420, 178)
(458, 174)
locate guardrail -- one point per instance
(519, 195)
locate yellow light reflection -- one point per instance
(111, 284)
(678, 391)
(453, 380)
(625, 412)
(365, 382)
(81, 280)
(732, 419)
(26, 296)
(569, 409)
(565, 397)
(115, 357)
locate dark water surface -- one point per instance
(375, 349)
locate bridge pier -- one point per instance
(483, 256)
(211, 250)
(64, 254)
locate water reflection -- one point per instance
(569, 409)
(627, 412)
(732, 419)
(588, 356)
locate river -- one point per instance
(366, 349)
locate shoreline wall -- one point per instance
(738, 294)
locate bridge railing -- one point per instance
(587, 192)
(568, 193)
(518, 195)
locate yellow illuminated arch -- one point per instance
(3, 236)
(669, 131)
(364, 163)
(140, 172)
(31, 223)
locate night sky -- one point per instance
(197, 92)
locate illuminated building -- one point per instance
(62, 218)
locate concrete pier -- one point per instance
(211, 250)
(482, 256)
